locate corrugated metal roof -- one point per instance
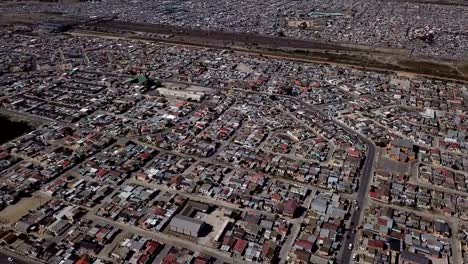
(187, 223)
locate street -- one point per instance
(365, 181)
(17, 259)
(362, 197)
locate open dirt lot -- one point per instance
(13, 213)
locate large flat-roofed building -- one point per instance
(412, 258)
(194, 96)
(186, 225)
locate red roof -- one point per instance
(354, 153)
(145, 156)
(319, 140)
(102, 172)
(305, 244)
(330, 226)
(4, 155)
(66, 163)
(268, 249)
(240, 246)
(276, 197)
(382, 222)
(159, 211)
(152, 247)
(355, 106)
(83, 260)
(376, 244)
(143, 259)
(257, 177)
(283, 229)
(179, 105)
(200, 260)
(170, 259)
(101, 234)
(374, 195)
(435, 151)
(176, 180)
(291, 206)
(59, 182)
(229, 241)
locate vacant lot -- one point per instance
(13, 213)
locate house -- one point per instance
(269, 249)
(379, 245)
(441, 228)
(301, 256)
(83, 260)
(291, 208)
(205, 188)
(326, 247)
(380, 194)
(319, 206)
(305, 245)
(89, 247)
(228, 243)
(240, 246)
(401, 150)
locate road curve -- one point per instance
(364, 185)
(362, 197)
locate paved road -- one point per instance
(362, 197)
(4, 255)
(362, 200)
(296, 228)
(364, 181)
(364, 185)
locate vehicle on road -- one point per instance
(10, 259)
(350, 246)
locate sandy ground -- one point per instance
(14, 212)
(392, 166)
(216, 220)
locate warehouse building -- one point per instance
(186, 225)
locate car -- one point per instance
(355, 257)
(350, 246)
(10, 259)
